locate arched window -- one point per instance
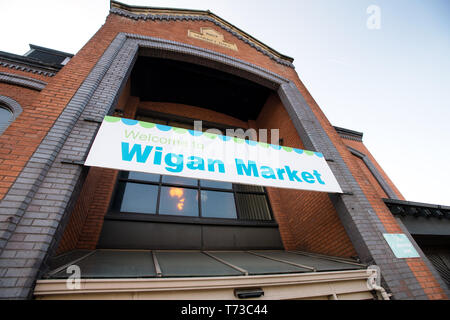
(9, 111)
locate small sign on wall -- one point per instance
(212, 36)
(400, 245)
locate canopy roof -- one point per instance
(160, 263)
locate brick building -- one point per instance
(171, 67)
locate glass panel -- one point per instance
(143, 176)
(136, 197)
(180, 180)
(248, 188)
(318, 263)
(257, 265)
(252, 207)
(192, 264)
(218, 205)
(179, 201)
(5, 115)
(216, 184)
(115, 264)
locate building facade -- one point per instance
(171, 67)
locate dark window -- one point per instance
(178, 196)
(216, 204)
(6, 117)
(137, 197)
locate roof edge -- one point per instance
(349, 134)
(52, 51)
(24, 63)
(144, 10)
(416, 204)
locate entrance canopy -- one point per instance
(144, 264)
(261, 274)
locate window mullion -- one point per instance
(236, 203)
(199, 199)
(158, 199)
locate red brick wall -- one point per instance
(418, 267)
(97, 209)
(28, 131)
(307, 220)
(362, 148)
(79, 215)
(177, 31)
(41, 109)
(16, 142)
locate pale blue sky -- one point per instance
(393, 84)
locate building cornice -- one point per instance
(21, 63)
(52, 51)
(22, 81)
(167, 14)
(349, 134)
(404, 208)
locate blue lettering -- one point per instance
(267, 172)
(308, 177)
(220, 165)
(172, 166)
(280, 173)
(158, 155)
(292, 175)
(318, 175)
(127, 154)
(195, 163)
(250, 170)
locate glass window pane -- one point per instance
(5, 114)
(137, 197)
(180, 180)
(252, 207)
(5, 117)
(248, 188)
(218, 205)
(216, 184)
(179, 201)
(143, 176)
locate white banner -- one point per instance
(134, 145)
